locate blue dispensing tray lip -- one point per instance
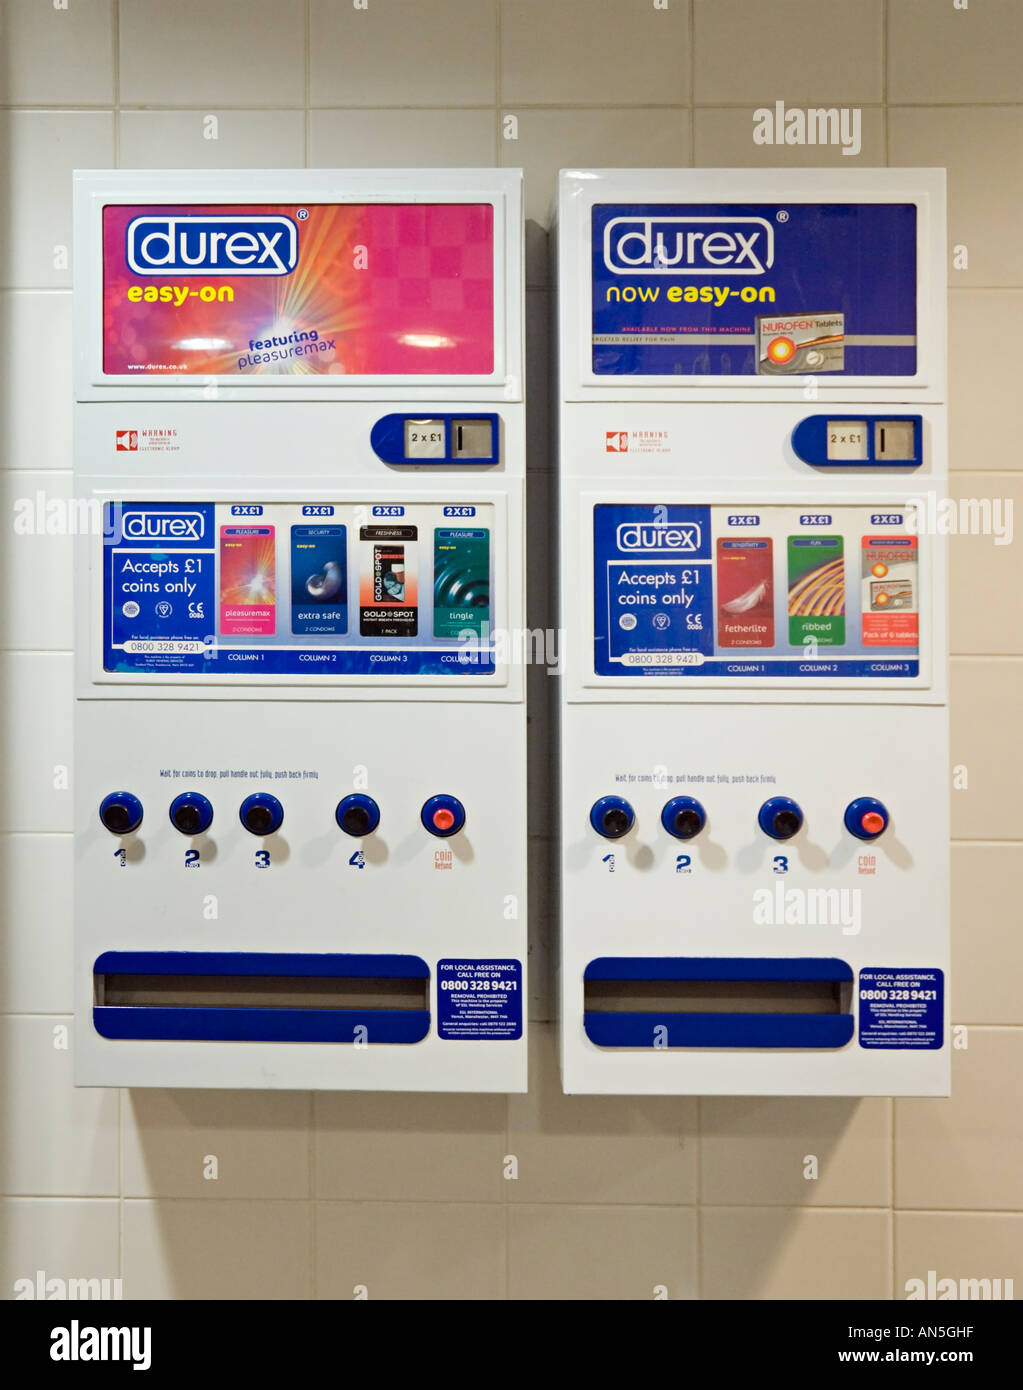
(691, 1027)
(265, 1022)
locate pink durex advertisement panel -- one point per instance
(367, 289)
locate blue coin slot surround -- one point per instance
(694, 1029)
(810, 441)
(245, 1024)
(387, 440)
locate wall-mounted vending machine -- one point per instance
(300, 742)
(754, 778)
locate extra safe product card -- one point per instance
(354, 289)
(748, 289)
(319, 579)
(770, 591)
(193, 589)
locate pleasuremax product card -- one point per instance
(321, 289)
(248, 580)
(319, 579)
(461, 581)
(388, 605)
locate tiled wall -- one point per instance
(406, 1195)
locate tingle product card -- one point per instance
(745, 593)
(461, 582)
(247, 581)
(388, 591)
(319, 579)
(816, 590)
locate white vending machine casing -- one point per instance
(300, 746)
(754, 780)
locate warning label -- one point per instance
(901, 1008)
(479, 999)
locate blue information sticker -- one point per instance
(901, 1007)
(479, 999)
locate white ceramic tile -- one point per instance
(59, 1139)
(986, 570)
(966, 1152)
(35, 561)
(36, 947)
(597, 1149)
(216, 1144)
(35, 741)
(601, 1253)
(984, 429)
(403, 53)
(758, 1151)
(397, 139)
(596, 137)
(218, 139)
(57, 55)
(935, 1246)
(217, 1250)
(38, 151)
(723, 139)
(219, 52)
(982, 149)
(793, 1253)
(576, 52)
(420, 1147)
(61, 1239)
(432, 1252)
(954, 53)
(987, 944)
(986, 698)
(812, 52)
(35, 406)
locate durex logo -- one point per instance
(162, 526)
(657, 537)
(693, 245)
(187, 245)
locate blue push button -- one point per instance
(121, 813)
(866, 818)
(443, 815)
(780, 817)
(261, 814)
(683, 817)
(357, 814)
(612, 817)
(191, 813)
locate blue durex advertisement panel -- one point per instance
(259, 589)
(754, 289)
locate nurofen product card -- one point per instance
(319, 579)
(890, 591)
(747, 289)
(461, 581)
(243, 290)
(248, 580)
